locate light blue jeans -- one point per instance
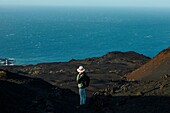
(82, 93)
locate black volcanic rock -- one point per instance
(113, 59)
(119, 63)
(136, 97)
(112, 66)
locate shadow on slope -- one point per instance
(22, 94)
(17, 92)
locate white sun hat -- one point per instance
(81, 69)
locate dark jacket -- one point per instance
(80, 80)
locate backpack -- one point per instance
(86, 81)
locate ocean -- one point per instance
(34, 35)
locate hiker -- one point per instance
(83, 82)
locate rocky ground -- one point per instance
(134, 97)
(51, 87)
(112, 66)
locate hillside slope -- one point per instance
(155, 68)
(23, 94)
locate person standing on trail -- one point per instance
(83, 82)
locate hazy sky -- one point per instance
(148, 3)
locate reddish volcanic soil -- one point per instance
(157, 67)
